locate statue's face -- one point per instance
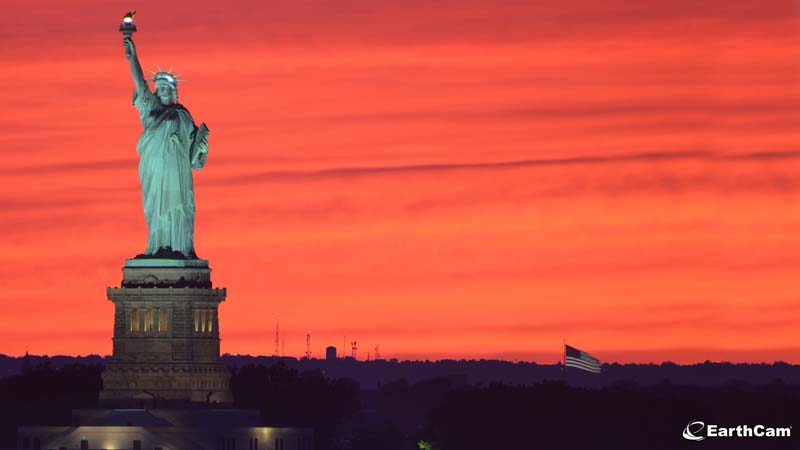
(165, 93)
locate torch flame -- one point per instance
(129, 16)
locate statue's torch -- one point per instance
(127, 27)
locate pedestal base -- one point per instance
(166, 336)
(158, 385)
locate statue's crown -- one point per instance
(165, 77)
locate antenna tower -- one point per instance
(308, 344)
(377, 352)
(354, 347)
(277, 337)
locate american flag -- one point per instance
(581, 360)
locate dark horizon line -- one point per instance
(398, 361)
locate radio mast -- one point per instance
(277, 338)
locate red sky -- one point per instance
(445, 179)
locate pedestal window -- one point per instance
(163, 320)
(203, 321)
(148, 320)
(134, 320)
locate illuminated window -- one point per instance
(162, 320)
(203, 320)
(148, 319)
(134, 320)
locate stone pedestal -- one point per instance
(166, 336)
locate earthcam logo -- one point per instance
(698, 431)
(693, 429)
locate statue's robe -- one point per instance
(165, 174)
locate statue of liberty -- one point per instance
(170, 146)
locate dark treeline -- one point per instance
(288, 398)
(445, 413)
(46, 395)
(10, 365)
(371, 374)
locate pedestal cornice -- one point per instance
(185, 294)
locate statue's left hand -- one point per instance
(202, 145)
(200, 148)
(201, 153)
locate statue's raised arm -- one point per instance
(136, 68)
